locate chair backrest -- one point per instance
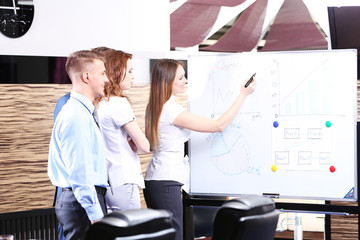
(203, 221)
(203, 216)
(144, 224)
(246, 218)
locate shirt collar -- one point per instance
(172, 98)
(84, 100)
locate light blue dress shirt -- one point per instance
(60, 103)
(77, 154)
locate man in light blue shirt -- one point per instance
(60, 103)
(77, 160)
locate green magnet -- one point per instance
(328, 123)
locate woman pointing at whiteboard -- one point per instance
(167, 127)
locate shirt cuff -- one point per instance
(94, 212)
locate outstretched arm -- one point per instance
(201, 124)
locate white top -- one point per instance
(168, 162)
(122, 162)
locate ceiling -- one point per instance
(249, 26)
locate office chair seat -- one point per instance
(144, 224)
(246, 218)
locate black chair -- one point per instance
(144, 224)
(203, 217)
(246, 218)
(203, 221)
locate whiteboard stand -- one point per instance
(328, 209)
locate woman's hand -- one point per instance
(249, 89)
(132, 144)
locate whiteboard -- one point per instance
(294, 136)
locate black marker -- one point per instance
(250, 80)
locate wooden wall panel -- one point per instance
(344, 227)
(26, 121)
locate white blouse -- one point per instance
(168, 162)
(122, 162)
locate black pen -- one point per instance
(250, 80)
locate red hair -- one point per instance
(116, 65)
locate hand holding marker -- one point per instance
(250, 80)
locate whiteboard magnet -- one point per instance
(328, 124)
(274, 168)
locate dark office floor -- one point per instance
(287, 235)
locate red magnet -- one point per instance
(332, 169)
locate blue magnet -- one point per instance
(275, 124)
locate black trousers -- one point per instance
(72, 216)
(166, 195)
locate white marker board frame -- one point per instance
(312, 95)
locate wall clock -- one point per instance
(16, 17)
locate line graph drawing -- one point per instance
(226, 87)
(307, 77)
(307, 93)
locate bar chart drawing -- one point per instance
(307, 93)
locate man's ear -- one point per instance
(85, 77)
